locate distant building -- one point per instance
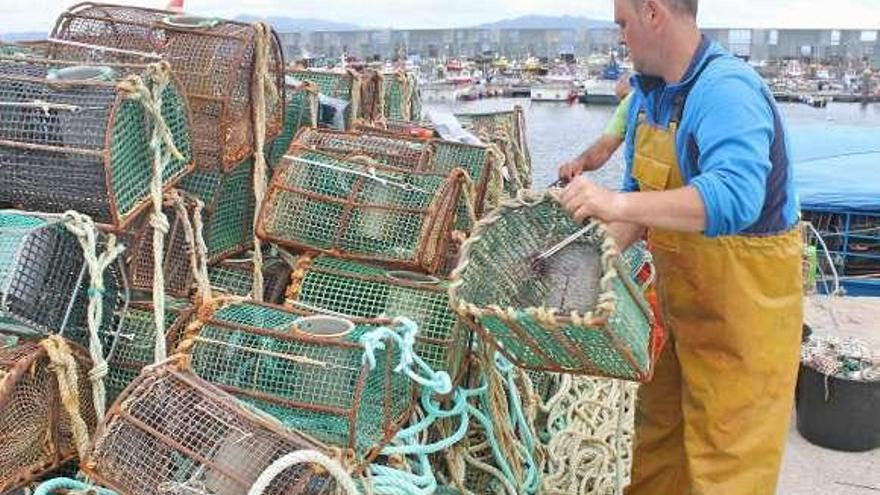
(757, 44)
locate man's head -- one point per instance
(647, 26)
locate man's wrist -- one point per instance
(619, 208)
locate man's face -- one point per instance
(634, 33)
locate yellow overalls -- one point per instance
(715, 418)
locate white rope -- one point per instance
(304, 457)
(198, 251)
(590, 428)
(151, 99)
(85, 231)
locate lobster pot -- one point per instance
(507, 130)
(301, 111)
(309, 373)
(399, 153)
(402, 97)
(34, 425)
(341, 85)
(322, 203)
(236, 277)
(229, 208)
(213, 58)
(137, 342)
(398, 128)
(337, 286)
(575, 312)
(171, 432)
(71, 140)
(44, 280)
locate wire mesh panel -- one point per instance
(319, 202)
(71, 138)
(508, 130)
(235, 277)
(342, 85)
(400, 153)
(229, 204)
(574, 312)
(34, 425)
(44, 281)
(171, 432)
(326, 284)
(137, 341)
(309, 373)
(213, 58)
(301, 111)
(177, 267)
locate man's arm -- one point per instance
(592, 159)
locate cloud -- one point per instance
(39, 15)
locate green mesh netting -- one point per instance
(480, 165)
(137, 342)
(320, 202)
(299, 113)
(319, 386)
(43, 279)
(500, 269)
(369, 291)
(402, 97)
(229, 198)
(131, 166)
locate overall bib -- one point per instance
(715, 418)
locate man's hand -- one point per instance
(569, 170)
(583, 199)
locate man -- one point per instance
(708, 177)
(615, 132)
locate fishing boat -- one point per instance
(558, 88)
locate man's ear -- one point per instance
(654, 12)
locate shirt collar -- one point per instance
(650, 83)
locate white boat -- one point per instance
(599, 92)
(553, 89)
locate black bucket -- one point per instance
(848, 421)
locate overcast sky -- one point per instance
(39, 15)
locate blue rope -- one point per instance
(50, 487)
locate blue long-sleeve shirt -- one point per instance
(731, 143)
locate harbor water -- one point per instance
(558, 131)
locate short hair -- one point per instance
(689, 6)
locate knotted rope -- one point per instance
(420, 479)
(84, 229)
(262, 43)
(66, 372)
(164, 148)
(193, 231)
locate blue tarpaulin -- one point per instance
(836, 167)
